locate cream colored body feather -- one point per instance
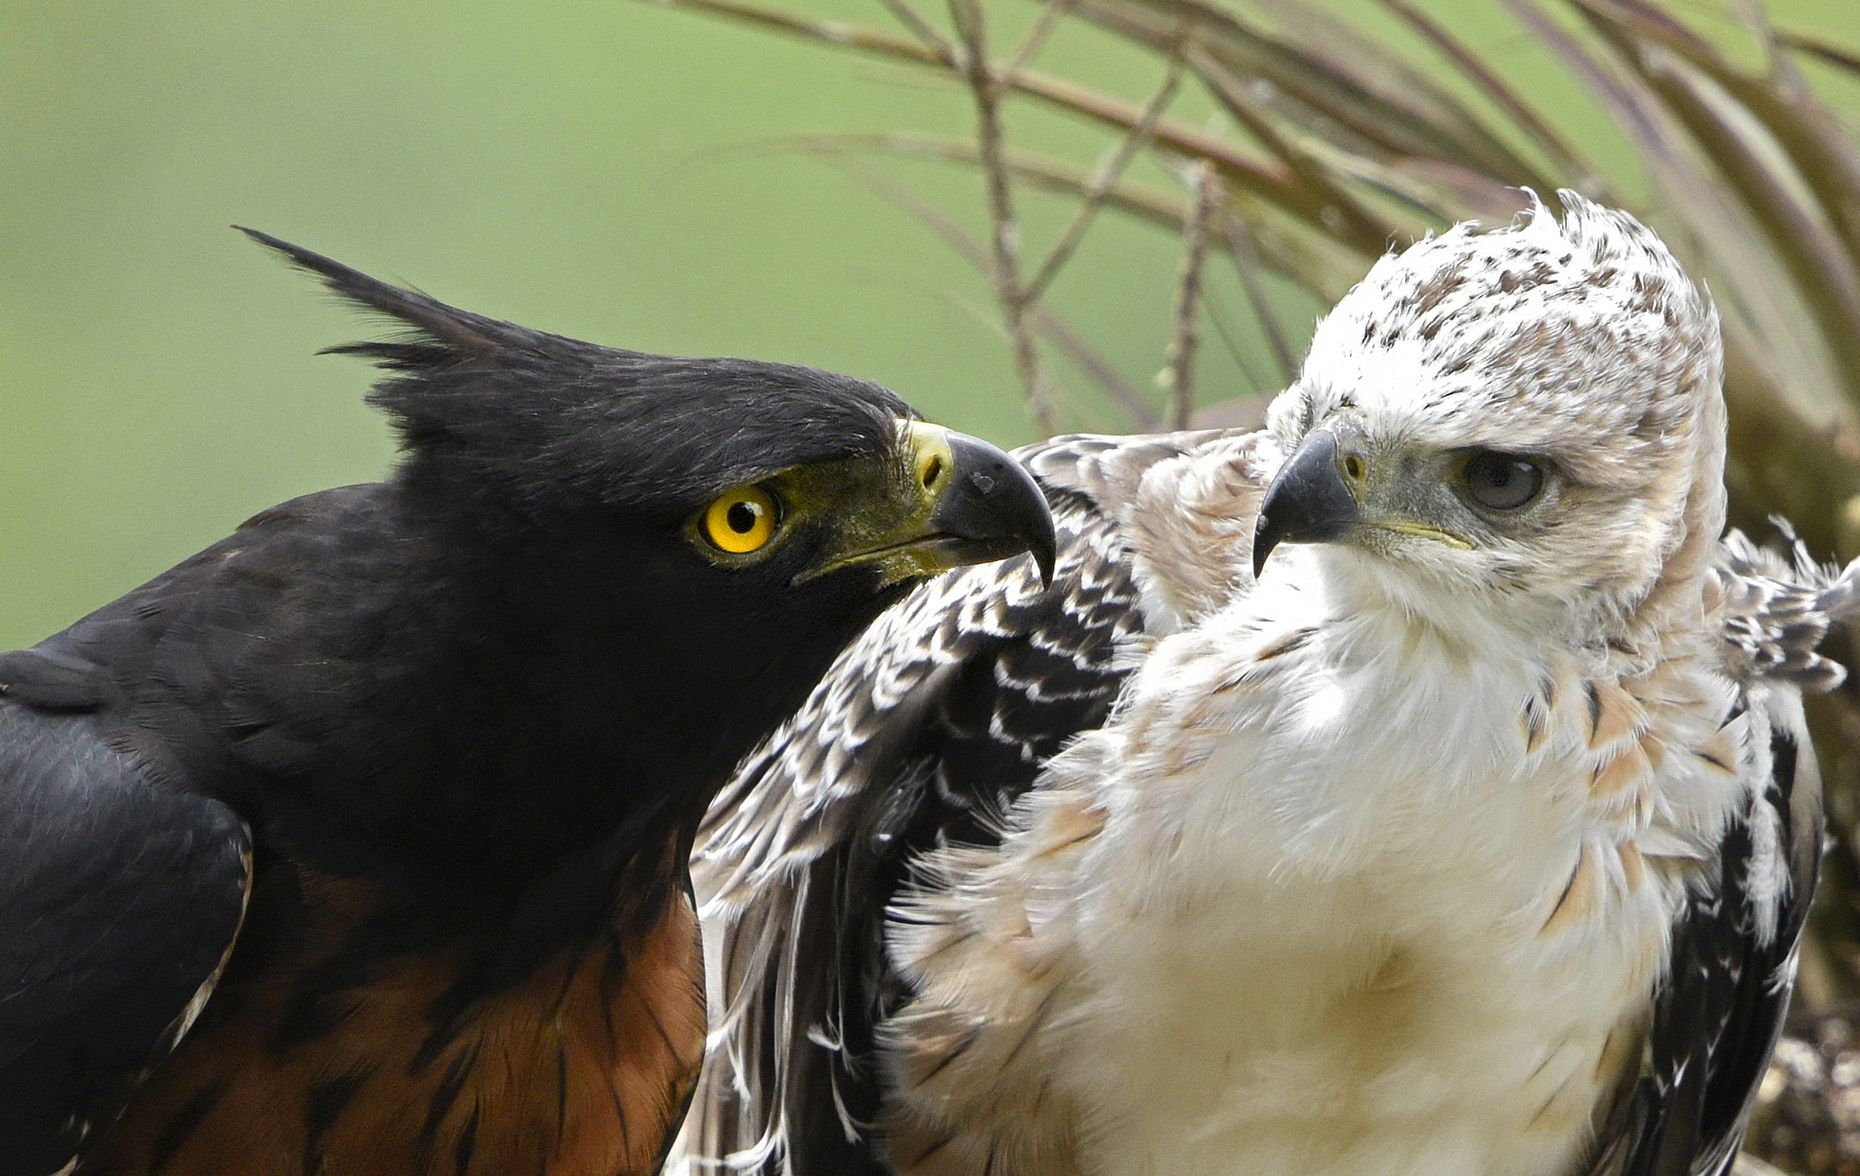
(1307, 906)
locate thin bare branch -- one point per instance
(1322, 192)
(1323, 73)
(1321, 267)
(1562, 153)
(1806, 214)
(920, 28)
(1035, 40)
(1090, 415)
(1047, 322)
(1243, 251)
(1826, 51)
(1153, 205)
(1241, 171)
(1781, 66)
(1219, 318)
(1825, 154)
(1105, 179)
(973, 33)
(1185, 337)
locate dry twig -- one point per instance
(920, 28)
(1036, 37)
(1244, 253)
(970, 27)
(1045, 321)
(1106, 178)
(1185, 338)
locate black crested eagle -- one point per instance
(357, 842)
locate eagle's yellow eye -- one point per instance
(741, 520)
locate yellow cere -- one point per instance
(742, 520)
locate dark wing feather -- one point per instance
(119, 900)
(923, 733)
(128, 743)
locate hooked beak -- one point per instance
(972, 503)
(1310, 501)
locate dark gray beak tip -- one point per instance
(1044, 557)
(1262, 544)
(1308, 502)
(997, 506)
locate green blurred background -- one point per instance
(593, 167)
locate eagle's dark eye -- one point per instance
(742, 520)
(1502, 481)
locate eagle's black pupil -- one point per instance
(742, 517)
(1503, 481)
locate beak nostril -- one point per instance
(933, 469)
(1353, 468)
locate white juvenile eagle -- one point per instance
(1418, 787)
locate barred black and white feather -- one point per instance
(921, 736)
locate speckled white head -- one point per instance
(1577, 345)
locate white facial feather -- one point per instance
(1581, 342)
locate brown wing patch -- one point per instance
(580, 1069)
(1721, 751)
(1579, 894)
(1614, 714)
(1285, 643)
(1067, 826)
(1619, 771)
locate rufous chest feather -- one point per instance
(577, 1069)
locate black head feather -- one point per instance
(544, 421)
(443, 329)
(531, 598)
